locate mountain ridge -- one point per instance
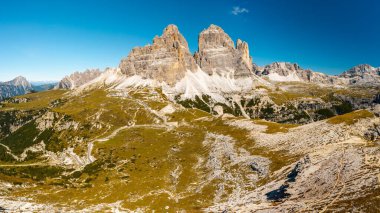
(168, 60)
(17, 86)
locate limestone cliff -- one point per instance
(217, 54)
(167, 59)
(78, 79)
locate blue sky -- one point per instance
(48, 39)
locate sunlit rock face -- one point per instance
(17, 86)
(78, 79)
(362, 74)
(217, 54)
(167, 59)
(288, 72)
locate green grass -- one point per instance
(135, 166)
(138, 162)
(115, 111)
(14, 118)
(22, 138)
(36, 101)
(273, 127)
(281, 98)
(350, 118)
(306, 90)
(37, 173)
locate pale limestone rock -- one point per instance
(287, 72)
(362, 74)
(46, 121)
(218, 109)
(167, 59)
(78, 79)
(217, 54)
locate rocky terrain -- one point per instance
(362, 74)
(77, 79)
(167, 59)
(17, 86)
(217, 54)
(287, 72)
(168, 131)
(21, 86)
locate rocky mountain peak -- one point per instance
(243, 48)
(363, 67)
(362, 74)
(359, 70)
(17, 86)
(78, 79)
(171, 37)
(283, 66)
(214, 37)
(287, 72)
(167, 59)
(282, 71)
(20, 81)
(170, 30)
(217, 54)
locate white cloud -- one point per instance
(239, 10)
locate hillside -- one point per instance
(168, 131)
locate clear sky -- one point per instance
(48, 39)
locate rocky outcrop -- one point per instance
(167, 59)
(288, 72)
(337, 170)
(281, 71)
(360, 70)
(17, 86)
(78, 79)
(217, 54)
(362, 74)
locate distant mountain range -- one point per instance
(288, 72)
(218, 66)
(77, 79)
(17, 86)
(21, 86)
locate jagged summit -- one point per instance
(167, 59)
(217, 54)
(17, 86)
(170, 31)
(217, 67)
(77, 79)
(292, 72)
(362, 74)
(360, 70)
(19, 81)
(214, 37)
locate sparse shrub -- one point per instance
(325, 113)
(343, 108)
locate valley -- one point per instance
(168, 131)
